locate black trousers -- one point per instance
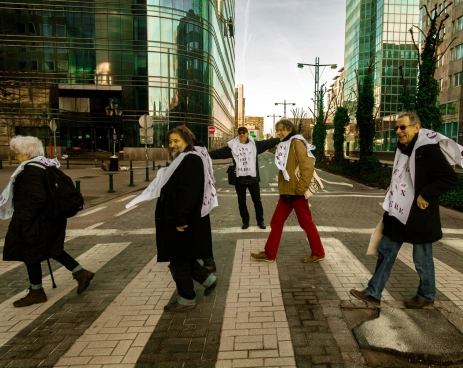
(35, 270)
(184, 272)
(254, 190)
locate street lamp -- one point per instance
(46, 119)
(285, 103)
(116, 110)
(317, 66)
(274, 116)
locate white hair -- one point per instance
(28, 146)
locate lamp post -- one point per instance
(52, 124)
(114, 109)
(285, 103)
(317, 66)
(274, 116)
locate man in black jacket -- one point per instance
(244, 152)
(420, 175)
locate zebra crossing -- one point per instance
(254, 330)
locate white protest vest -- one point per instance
(282, 153)
(401, 195)
(154, 188)
(6, 199)
(245, 156)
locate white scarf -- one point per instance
(401, 195)
(6, 199)
(245, 156)
(154, 189)
(282, 153)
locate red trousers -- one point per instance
(282, 211)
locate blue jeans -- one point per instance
(424, 264)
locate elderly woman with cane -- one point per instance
(33, 236)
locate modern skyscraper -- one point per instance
(377, 33)
(171, 59)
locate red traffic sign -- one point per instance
(211, 129)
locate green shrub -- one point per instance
(454, 198)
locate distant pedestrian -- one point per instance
(244, 150)
(293, 151)
(186, 194)
(33, 236)
(422, 172)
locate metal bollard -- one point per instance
(1, 164)
(167, 163)
(78, 185)
(110, 184)
(67, 163)
(130, 164)
(154, 167)
(147, 174)
(131, 177)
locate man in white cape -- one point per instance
(422, 172)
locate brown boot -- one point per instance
(83, 278)
(34, 297)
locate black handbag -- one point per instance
(231, 171)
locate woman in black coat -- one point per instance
(32, 235)
(182, 235)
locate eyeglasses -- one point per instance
(241, 133)
(402, 127)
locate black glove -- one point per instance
(289, 197)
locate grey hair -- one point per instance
(412, 115)
(288, 124)
(27, 145)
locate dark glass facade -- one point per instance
(170, 59)
(377, 32)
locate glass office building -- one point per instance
(377, 31)
(170, 59)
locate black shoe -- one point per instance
(417, 303)
(83, 278)
(208, 291)
(261, 225)
(245, 225)
(34, 297)
(363, 295)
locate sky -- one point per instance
(271, 37)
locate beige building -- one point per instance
(449, 67)
(256, 121)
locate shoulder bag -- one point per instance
(315, 183)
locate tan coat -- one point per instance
(306, 167)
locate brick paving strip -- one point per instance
(13, 320)
(255, 331)
(120, 333)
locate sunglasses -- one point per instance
(402, 127)
(241, 133)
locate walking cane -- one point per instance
(51, 274)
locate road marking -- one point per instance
(125, 198)
(262, 167)
(91, 211)
(448, 280)
(334, 183)
(344, 270)
(454, 243)
(248, 337)
(13, 320)
(94, 225)
(134, 314)
(125, 211)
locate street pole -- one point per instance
(284, 104)
(274, 116)
(146, 147)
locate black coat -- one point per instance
(180, 204)
(261, 146)
(32, 235)
(434, 176)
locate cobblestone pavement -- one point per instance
(281, 314)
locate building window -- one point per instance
(441, 84)
(32, 28)
(60, 30)
(453, 26)
(452, 54)
(49, 65)
(457, 79)
(46, 29)
(63, 65)
(460, 23)
(22, 65)
(20, 27)
(34, 65)
(459, 51)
